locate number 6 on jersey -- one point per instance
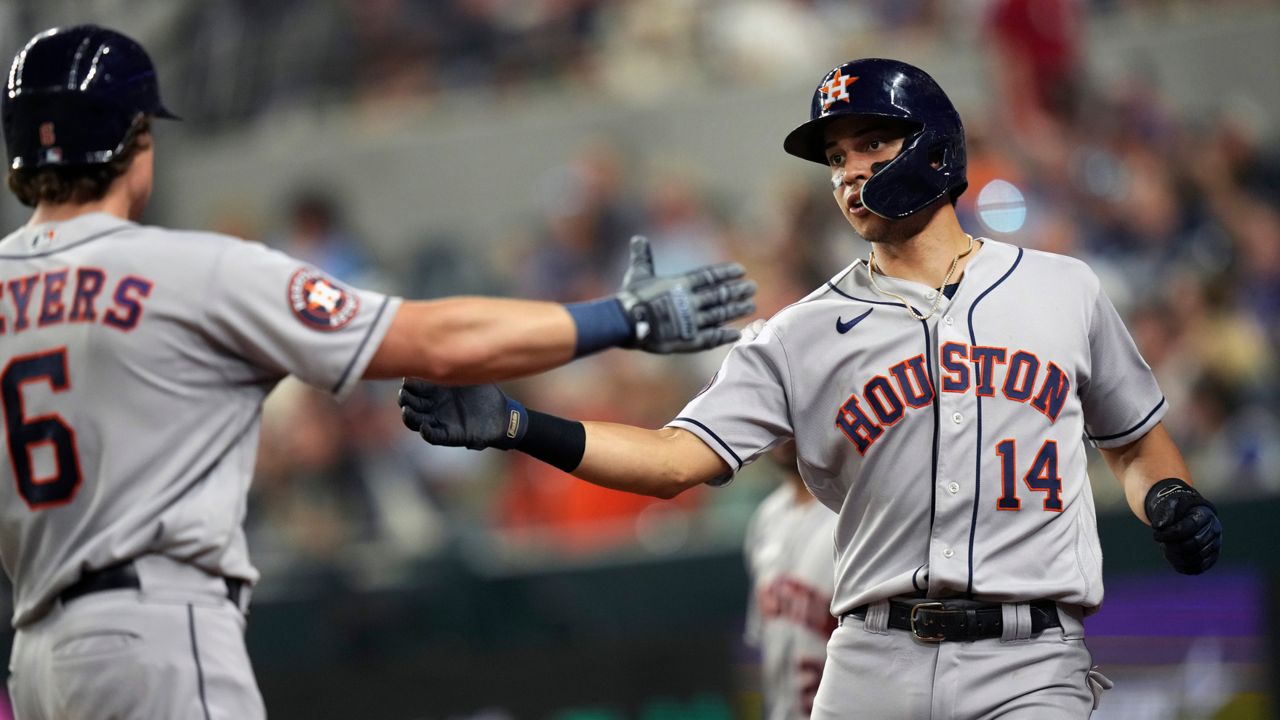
(26, 434)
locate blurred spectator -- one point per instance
(443, 265)
(332, 475)
(394, 54)
(1037, 43)
(647, 47)
(1249, 161)
(589, 218)
(1259, 267)
(680, 226)
(797, 248)
(1237, 444)
(315, 234)
(307, 500)
(761, 41)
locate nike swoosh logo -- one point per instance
(843, 327)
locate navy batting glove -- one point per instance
(1185, 524)
(471, 416)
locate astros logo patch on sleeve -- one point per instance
(319, 301)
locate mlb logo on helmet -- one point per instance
(319, 302)
(49, 155)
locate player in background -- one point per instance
(939, 393)
(789, 557)
(136, 361)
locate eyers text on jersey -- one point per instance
(76, 295)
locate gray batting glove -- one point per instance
(471, 416)
(683, 313)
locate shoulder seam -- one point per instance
(64, 248)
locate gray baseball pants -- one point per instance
(877, 672)
(173, 650)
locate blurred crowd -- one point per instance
(1179, 216)
(312, 55)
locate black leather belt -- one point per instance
(123, 576)
(939, 620)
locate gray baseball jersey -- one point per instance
(136, 362)
(790, 558)
(952, 448)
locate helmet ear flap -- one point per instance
(910, 182)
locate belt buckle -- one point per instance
(915, 631)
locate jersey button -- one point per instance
(948, 320)
(931, 294)
(957, 418)
(953, 488)
(948, 553)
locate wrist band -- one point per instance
(553, 440)
(516, 427)
(1162, 489)
(600, 324)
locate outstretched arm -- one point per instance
(472, 339)
(662, 463)
(1156, 484)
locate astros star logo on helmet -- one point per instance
(319, 301)
(837, 88)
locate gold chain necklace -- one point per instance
(937, 299)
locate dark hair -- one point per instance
(79, 183)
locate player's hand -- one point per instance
(682, 313)
(1186, 525)
(471, 416)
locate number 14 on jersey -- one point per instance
(1042, 476)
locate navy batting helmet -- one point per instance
(74, 94)
(891, 89)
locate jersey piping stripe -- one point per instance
(1141, 422)
(937, 419)
(64, 248)
(360, 350)
(933, 471)
(195, 652)
(977, 471)
(872, 302)
(715, 437)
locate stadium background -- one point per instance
(510, 147)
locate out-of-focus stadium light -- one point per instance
(1001, 206)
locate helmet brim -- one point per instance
(809, 141)
(164, 113)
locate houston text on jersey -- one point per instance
(1020, 375)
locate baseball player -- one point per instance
(789, 559)
(939, 392)
(136, 362)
